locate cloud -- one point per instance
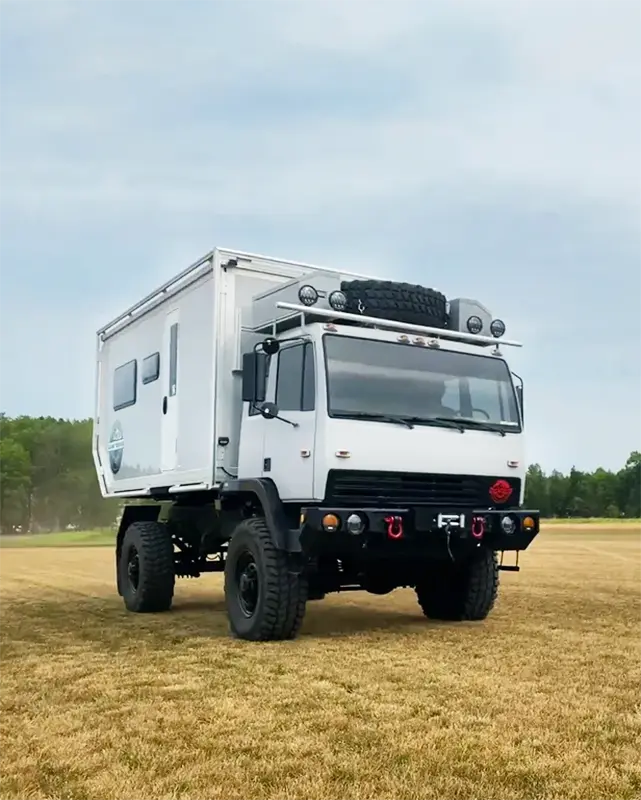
(484, 146)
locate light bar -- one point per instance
(395, 326)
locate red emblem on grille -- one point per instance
(500, 491)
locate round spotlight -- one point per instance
(307, 295)
(508, 525)
(475, 324)
(338, 300)
(355, 524)
(497, 328)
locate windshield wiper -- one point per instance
(480, 423)
(452, 423)
(381, 417)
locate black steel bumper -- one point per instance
(421, 527)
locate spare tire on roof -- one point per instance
(400, 302)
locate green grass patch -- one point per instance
(98, 538)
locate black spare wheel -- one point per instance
(146, 574)
(264, 599)
(400, 302)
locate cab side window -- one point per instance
(296, 379)
(254, 408)
(309, 379)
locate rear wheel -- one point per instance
(146, 576)
(464, 591)
(264, 600)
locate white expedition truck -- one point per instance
(307, 431)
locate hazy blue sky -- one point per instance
(489, 148)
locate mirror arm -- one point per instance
(288, 421)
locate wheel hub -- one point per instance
(247, 582)
(133, 569)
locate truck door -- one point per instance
(288, 451)
(169, 411)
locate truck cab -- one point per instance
(337, 399)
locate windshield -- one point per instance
(367, 377)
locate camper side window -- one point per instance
(151, 368)
(295, 384)
(125, 385)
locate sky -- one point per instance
(487, 148)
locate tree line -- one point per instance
(47, 476)
(601, 493)
(48, 481)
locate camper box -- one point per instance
(168, 391)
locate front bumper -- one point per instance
(421, 528)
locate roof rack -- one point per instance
(403, 327)
(138, 307)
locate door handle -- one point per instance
(164, 404)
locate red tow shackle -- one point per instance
(394, 527)
(478, 527)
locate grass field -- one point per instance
(97, 538)
(372, 701)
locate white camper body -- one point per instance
(168, 390)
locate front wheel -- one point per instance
(465, 591)
(265, 601)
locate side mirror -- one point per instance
(254, 377)
(270, 346)
(269, 410)
(519, 394)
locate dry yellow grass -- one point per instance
(372, 701)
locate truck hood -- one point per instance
(365, 445)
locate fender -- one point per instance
(265, 491)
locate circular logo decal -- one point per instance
(115, 447)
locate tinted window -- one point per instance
(254, 408)
(406, 380)
(151, 368)
(490, 400)
(173, 359)
(289, 386)
(309, 379)
(125, 385)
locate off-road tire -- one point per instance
(401, 302)
(152, 544)
(465, 591)
(282, 594)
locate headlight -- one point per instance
(307, 295)
(508, 525)
(355, 524)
